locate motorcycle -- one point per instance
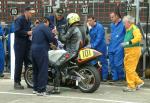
(75, 72)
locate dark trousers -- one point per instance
(2, 57)
(21, 52)
(40, 69)
(28, 58)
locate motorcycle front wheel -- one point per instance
(91, 81)
(28, 77)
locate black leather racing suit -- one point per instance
(72, 39)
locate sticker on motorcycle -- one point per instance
(86, 53)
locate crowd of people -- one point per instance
(63, 33)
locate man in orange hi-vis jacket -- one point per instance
(132, 50)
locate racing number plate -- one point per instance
(86, 53)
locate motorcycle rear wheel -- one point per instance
(92, 79)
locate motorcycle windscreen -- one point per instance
(87, 54)
(56, 57)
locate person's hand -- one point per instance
(89, 27)
(53, 46)
(124, 44)
(29, 33)
(55, 31)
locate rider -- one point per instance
(73, 40)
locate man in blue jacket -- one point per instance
(97, 42)
(22, 33)
(115, 51)
(2, 54)
(41, 39)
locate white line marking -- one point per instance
(69, 97)
(105, 85)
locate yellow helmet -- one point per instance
(72, 18)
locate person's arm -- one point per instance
(137, 36)
(111, 27)
(48, 34)
(67, 36)
(99, 38)
(121, 30)
(18, 28)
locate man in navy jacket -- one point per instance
(41, 40)
(22, 33)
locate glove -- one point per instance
(124, 44)
(53, 46)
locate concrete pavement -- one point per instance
(107, 93)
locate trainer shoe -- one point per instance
(34, 92)
(139, 86)
(41, 93)
(55, 90)
(129, 89)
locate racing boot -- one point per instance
(18, 86)
(55, 90)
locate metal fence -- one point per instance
(9, 8)
(99, 8)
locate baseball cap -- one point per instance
(59, 11)
(47, 18)
(29, 9)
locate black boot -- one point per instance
(55, 90)
(18, 86)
